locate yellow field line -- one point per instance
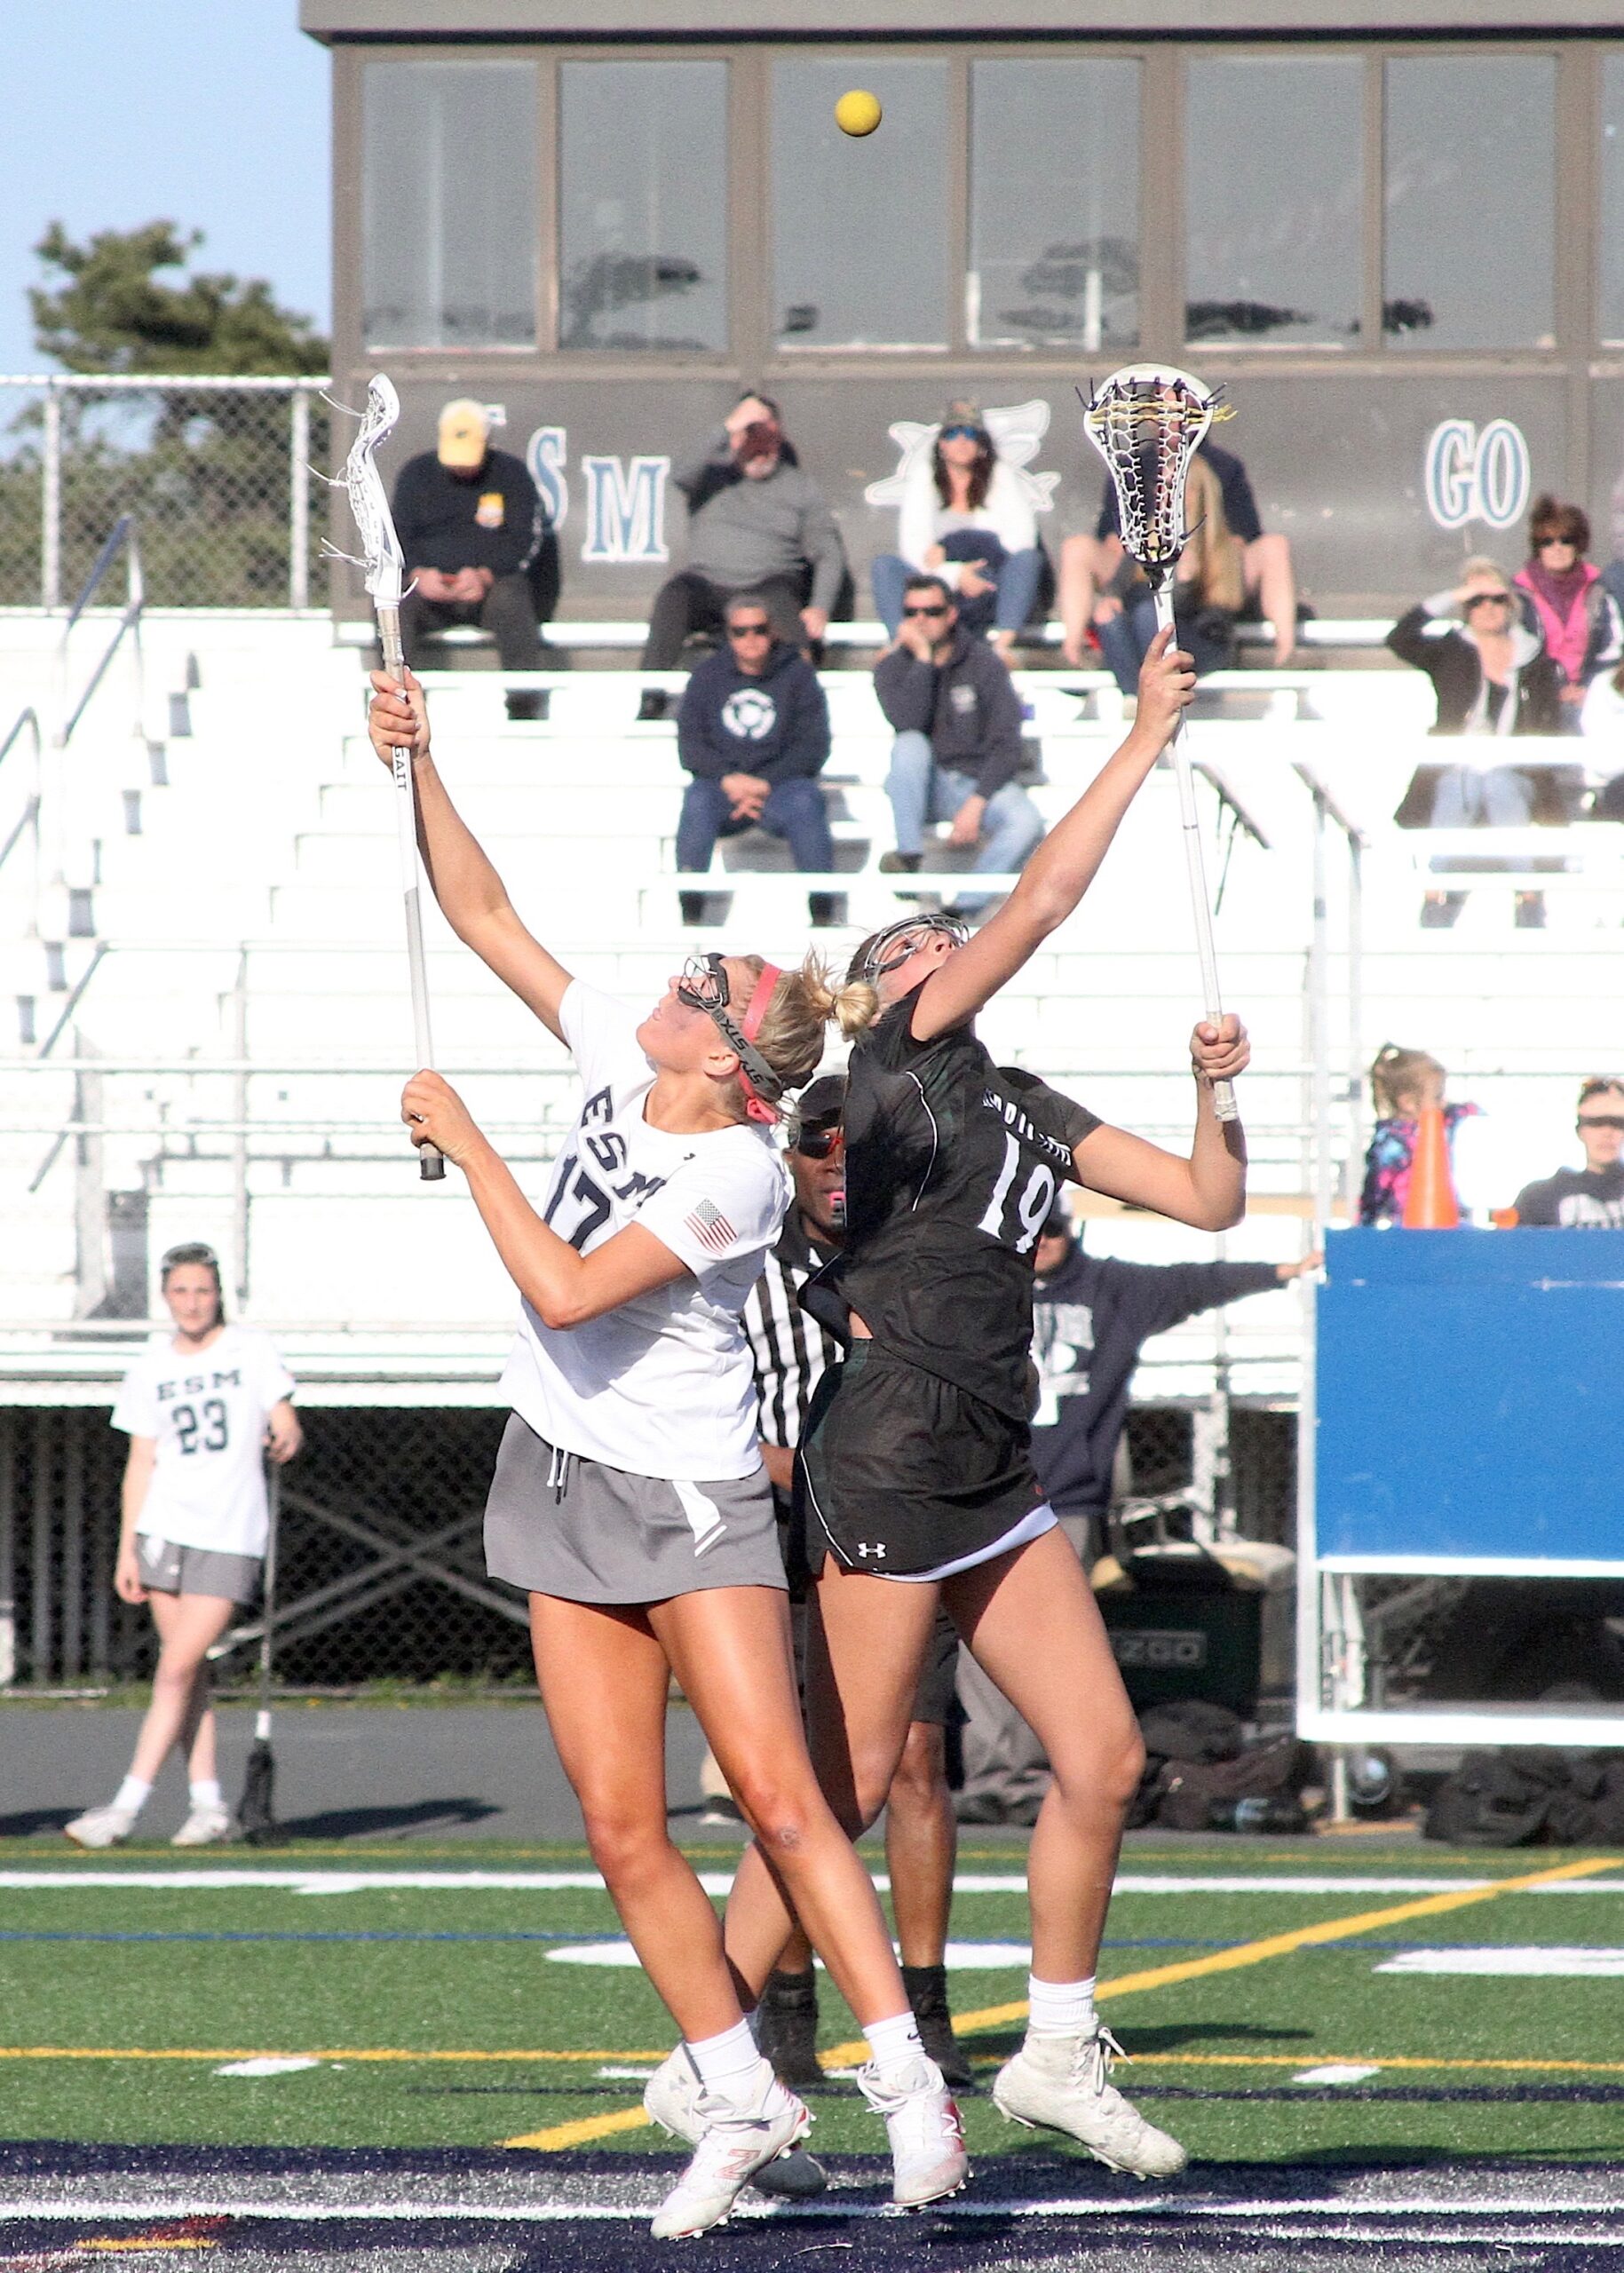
(1244, 1953)
(560, 2136)
(1368, 2060)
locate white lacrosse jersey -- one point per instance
(662, 1385)
(207, 1410)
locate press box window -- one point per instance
(1054, 205)
(1610, 231)
(1272, 197)
(1471, 200)
(839, 202)
(448, 203)
(642, 207)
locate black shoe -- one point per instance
(787, 2028)
(900, 864)
(692, 906)
(927, 1993)
(526, 706)
(720, 1807)
(652, 707)
(826, 909)
(978, 1807)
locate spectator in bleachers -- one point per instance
(1208, 591)
(957, 720)
(1577, 615)
(757, 523)
(1402, 1082)
(965, 515)
(1590, 1199)
(754, 732)
(1088, 563)
(470, 527)
(1602, 721)
(1491, 676)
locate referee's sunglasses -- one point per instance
(817, 1143)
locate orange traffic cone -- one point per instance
(1431, 1205)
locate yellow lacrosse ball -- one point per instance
(858, 112)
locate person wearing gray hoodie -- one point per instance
(757, 523)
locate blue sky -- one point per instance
(210, 112)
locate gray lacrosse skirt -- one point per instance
(556, 1524)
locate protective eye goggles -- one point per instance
(817, 1143)
(891, 948)
(704, 987)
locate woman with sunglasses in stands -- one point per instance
(630, 1502)
(965, 516)
(914, 1482)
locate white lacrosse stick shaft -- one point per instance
(1190, 826)
(385, 568)
(433, 1163)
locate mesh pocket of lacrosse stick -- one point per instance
(1147, 421)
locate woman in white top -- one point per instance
(964, 515)
(201, 1406)
(630, 1502)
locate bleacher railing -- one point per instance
(217, 470)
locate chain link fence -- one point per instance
(217, 471)
(382, 1567)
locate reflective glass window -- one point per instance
(1054, 205)
(643, 206)
(1272, 199)
(859, 225)
(1610, 232)
(448, 204)
(1471, 198)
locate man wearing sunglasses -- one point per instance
(957, 720)
(791, 1352)
(1590, 1199)
(754, 732)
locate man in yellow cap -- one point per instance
(470, 525)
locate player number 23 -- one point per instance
(1031, 1209)
(208, 1432)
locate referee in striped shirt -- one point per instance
(792, 1352)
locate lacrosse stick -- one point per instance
(257, 1812)
(385, 566)
(1146, 422)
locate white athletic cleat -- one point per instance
(736, 2141)
(671, 2099)
(926, 2133)
(1063, 2083)
(205, 1827)
(107, 1826)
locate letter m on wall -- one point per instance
(625, 509)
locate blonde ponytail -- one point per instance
(793, 1029)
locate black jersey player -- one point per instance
(915, 1481)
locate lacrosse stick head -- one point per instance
(383, 561)
(1147, 421)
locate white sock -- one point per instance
(729, 2064)
(206, 1793)
(1059, 2007)
(132, 1795)
(894, 2044)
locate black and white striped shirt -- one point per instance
(791, 1351)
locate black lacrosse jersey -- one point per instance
(952, 1167)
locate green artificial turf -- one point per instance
(312, 1989)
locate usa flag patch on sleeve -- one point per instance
(710, 1227)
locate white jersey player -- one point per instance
(200, 1407)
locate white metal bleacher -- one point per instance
(238, 1049)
